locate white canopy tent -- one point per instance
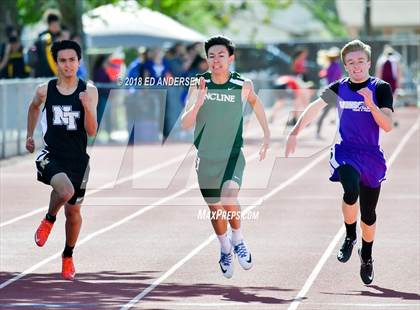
(126, 24)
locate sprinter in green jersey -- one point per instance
(215, 109)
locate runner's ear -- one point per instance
(231, 58)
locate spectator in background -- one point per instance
(135, 68)
(82, 72)
(100, 76)
(388, 67)
(151, 112)
(299, 65)
(134, 110)
(39, 55)
(195, 63)
(157, 66)
(332, 73)
(12, 63)
(294, 89)
(198, 66)
(115, 66)
(64, 34)
(192, 51)
(99, 70)
(8, 31)
(177, 57)
(52, 17)
(159, 106)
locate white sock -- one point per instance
(225, 243)
(236, 236)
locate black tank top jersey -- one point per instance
(63, 125)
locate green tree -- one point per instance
(200, 14)
(326, 12)
(26, 12)
(197, 14)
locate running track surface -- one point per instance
(139, 246)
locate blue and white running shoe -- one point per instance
(243, 254)
(226, 264)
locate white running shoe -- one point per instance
(243, 254)
(226, 264)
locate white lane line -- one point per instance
(70, 305)
(230, 304)
(175, 267)
(109, 227)
(195, 305)
(364, 306)
(314, 274)
(168, 273)
(404, 141)
(134, 176)
(244, 305)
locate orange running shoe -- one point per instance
(68, 271)
(43, 231)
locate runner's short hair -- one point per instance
(355, 46)
(66, 45)
(219, 40)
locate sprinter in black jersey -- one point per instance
(68, 117)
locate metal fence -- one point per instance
(136, 115)
(15, 97)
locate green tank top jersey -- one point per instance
(219, 123)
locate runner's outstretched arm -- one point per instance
(33, 115)
(258, 108)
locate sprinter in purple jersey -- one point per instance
(364, 106)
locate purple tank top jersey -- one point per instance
(356, 125)
(358, 137)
